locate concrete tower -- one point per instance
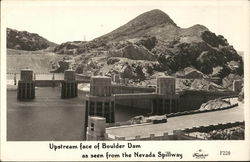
(100, 102)
(69, 85)
(96, 128)
(167, 100)
(26, 86)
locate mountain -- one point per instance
(151, 22)
(148, 46)
(23, 40)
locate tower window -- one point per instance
(92, 126)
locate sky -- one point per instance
(62, 21)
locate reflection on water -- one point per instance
(48, 117)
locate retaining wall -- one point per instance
(200, 111)
(192, 99)
(132, 103)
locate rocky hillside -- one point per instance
(152, 43)
(23, 40)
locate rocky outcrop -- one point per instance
(190, 73)
(228, 80)
(241, 95)
(133, 52)
(148, 42)
(214, 104)
(68, 47)
(214, 40)
(61, 65)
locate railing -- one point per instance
(159, 136)
(181, 134)
(213, 127)
(12, 78)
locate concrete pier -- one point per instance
(26, 86)
(69, 85)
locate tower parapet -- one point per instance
(165, 85)
(100, 86)
(69, 75)
(26, 75)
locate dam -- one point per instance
(48, 116)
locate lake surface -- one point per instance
(48, 117)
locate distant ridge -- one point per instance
(23, 40)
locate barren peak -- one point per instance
(154, 17)
(155, 11)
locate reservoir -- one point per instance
(50, 118)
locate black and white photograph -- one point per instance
(125, 71)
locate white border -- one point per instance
(33, 151)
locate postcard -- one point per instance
(125, 80)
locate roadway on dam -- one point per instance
(181, 122)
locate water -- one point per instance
(48, 117)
